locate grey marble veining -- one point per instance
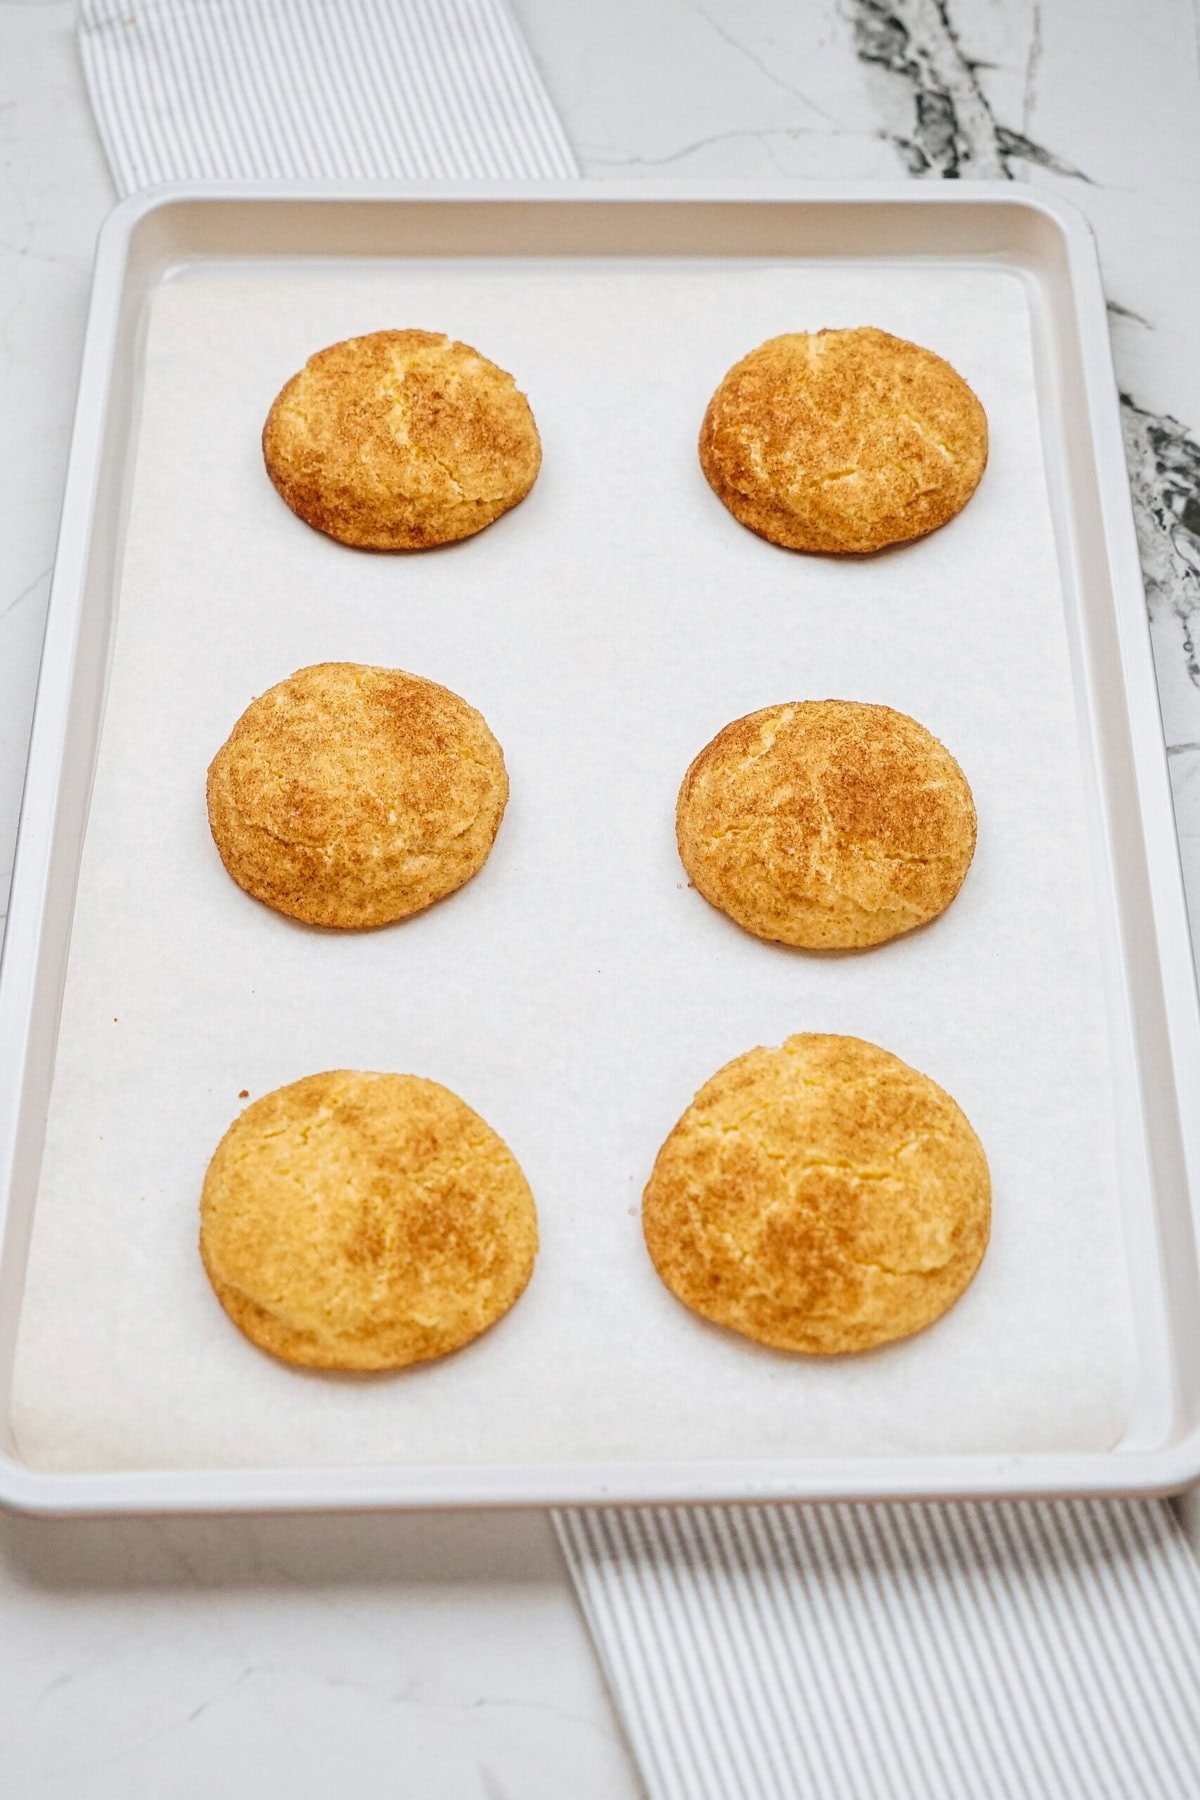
(1164, 474)
(944, 127)
(943, 124)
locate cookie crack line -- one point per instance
(869, 853)
(777, 1294)
(769, 736)
(329, 847)
(929, 438)
(797, 1168)
(425, 452)
(749, 1255)
(832, 900)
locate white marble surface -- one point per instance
(444, 1657)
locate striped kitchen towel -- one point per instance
(1030, 1652)
(1005, 1651)
(364, 90)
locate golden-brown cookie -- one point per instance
(362, 1221)
(819, 1197)
(828, 824)
(401, 440)
(351, 796)
(843, 440)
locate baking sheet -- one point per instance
(577, 992)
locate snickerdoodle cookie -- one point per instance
(827, 824)
(401, 440)
(843, 440)
(819, 1197)
(363, 1221)
(351, 796)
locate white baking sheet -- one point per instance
(577, 992)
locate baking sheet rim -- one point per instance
(1032, 1472)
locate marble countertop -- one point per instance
(444, 1656)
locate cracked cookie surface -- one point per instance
(355, 1220)
(819, 1197)
(843, 441)
(352, 796)
(826, 824)
(401, 440)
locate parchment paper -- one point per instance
(577, 992)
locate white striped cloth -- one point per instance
(1021, 1652)
(370, 90)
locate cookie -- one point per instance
(363, 1221)
(401, 440)
(820, 1197)
(351, 796)
(843, 441)
(827, 824)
